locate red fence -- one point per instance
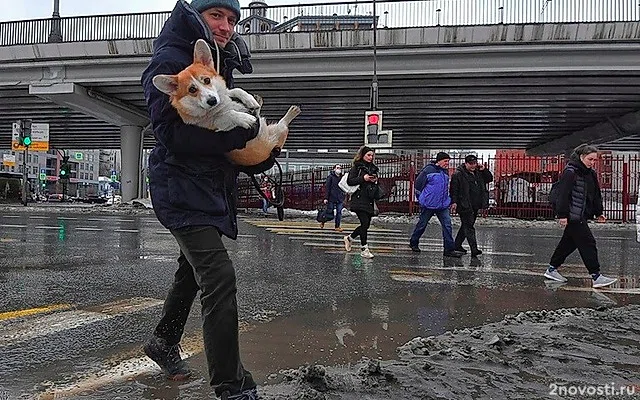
(520, 188)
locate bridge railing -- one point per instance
(331, 16)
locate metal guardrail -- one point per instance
(330, 16)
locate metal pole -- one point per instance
(25, 176)
(374, 83)
(55, 35)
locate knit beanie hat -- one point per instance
(202, 5)
(442, 156)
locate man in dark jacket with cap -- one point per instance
(334, 196)
(468, 195)
(194, 189)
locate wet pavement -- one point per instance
(83, 291)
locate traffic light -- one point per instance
(372, 126)
(24, 137)
(65, 169)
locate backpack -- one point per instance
(553, 193)
(345, 187)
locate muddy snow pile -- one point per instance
(579, 353)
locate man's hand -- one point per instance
(325, 201)
(453, 208)
(480, 166)
(601, 219)
(563, 222)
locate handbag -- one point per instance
(324, 215)
(345, 187)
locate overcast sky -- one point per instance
(13, 10)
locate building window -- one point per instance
(90, 167)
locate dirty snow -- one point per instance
(524, 356)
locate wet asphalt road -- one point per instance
(81, 293)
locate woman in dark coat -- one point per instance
(365, 174)
(579, 200)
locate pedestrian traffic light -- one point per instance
(24, 138)
(374, 136)
(372, 126)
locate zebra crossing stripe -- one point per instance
(13, 331)
(31, 311)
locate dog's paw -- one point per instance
(252, 104)
(246, 120)
(258, 99)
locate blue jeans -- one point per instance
(337, 206)
(265, 206)
(445, 220)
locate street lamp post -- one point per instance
(55, 35)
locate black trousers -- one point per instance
(365, 223)
(577, 235)
(467, 230)
(204, 264)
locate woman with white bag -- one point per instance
(363, 174)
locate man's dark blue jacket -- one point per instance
(191, 181)
(333, 192)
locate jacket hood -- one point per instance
(579, 165)
(439, 168)
(185, 25)
(183, 28)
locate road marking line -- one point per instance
(122, 371)
(68, 218)
(86, 228)
(127, 368)
(32, 311)
(38, 217)
(13, 226)
(30, 328)
(163, 233)
(247, 236)
(48, 227)
(127, 230)
(11, 216)
(99, 219)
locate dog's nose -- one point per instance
(212, 101)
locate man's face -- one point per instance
(471, 166)
(443, 163)
(338, 170)
(221, 21)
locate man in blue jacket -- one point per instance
(334, 196)
(432, 191)
(194, 189)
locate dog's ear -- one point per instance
(166, 83)
(202, 54)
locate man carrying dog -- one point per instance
(194, 189)
(468, 195)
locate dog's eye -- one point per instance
(207, 81)
(193, 89)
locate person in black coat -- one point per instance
(469, 194)
(334, 196)
(365, 174)
(578, 200)
(194, 190)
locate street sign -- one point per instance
(9, 160)
(39, 137)
(78, 156)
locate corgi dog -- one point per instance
(201, 97)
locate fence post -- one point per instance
(412, 174)
(625, 190)
(313, 189)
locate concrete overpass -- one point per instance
(544, 87)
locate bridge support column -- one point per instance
(131, 150)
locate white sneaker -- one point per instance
(603, 281)
(347, 242)
(554, 275)
(366, 253)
